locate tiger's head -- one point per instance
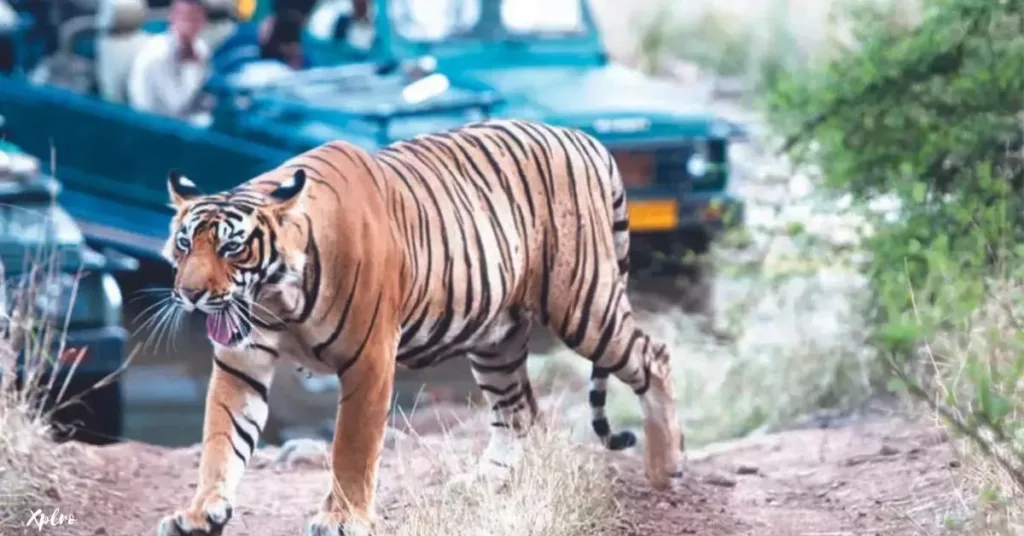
(227, 247)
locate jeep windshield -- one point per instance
(434, 21)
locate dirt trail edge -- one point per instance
(882, 475)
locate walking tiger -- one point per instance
(444, 245)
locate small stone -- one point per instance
(954, 463)
(747, 470)
(663, 505)
(720, 480)
(888, 450)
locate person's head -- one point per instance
(283, 40)
(361, 10)
(187, 18)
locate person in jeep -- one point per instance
(348, 22)
(277, 38)
(171, 68)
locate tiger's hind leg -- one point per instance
(607, 333)
(500, 372)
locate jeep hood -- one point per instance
(582, 95)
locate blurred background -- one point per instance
(751, 261)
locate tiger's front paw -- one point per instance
(208, 520)
(336, 524)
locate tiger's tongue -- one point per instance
(220, 327)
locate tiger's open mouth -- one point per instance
(227, 329)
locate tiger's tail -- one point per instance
(599, 381)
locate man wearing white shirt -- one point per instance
(172, 67)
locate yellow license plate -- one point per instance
(245, 9)
(653, 215)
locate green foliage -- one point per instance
(932, 114)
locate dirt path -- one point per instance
(881, 476)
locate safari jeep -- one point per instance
(529, 59)
(544, 60)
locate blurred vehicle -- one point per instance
(541, 60)
(426, 67)
(51, 274)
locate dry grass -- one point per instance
(32, 476)
(29, 470)
(974, 384)
(561, 488)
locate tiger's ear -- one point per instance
(289, 191)
(181, 188)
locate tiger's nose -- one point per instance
(192, 295)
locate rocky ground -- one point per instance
(879, 475)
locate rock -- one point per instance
(888, 450)
(747, 470)
(719, 480)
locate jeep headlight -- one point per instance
(53, 297)
(697, 165)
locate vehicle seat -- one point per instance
(120, 39)
(220, 22)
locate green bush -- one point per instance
(932, 115)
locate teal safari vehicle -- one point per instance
(493, 63)
(544, 60)
(552, 68)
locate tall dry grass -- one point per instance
(560, 488)
(32, 473)
(973, 381)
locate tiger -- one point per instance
(447, 244)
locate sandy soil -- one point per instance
(881, 475)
